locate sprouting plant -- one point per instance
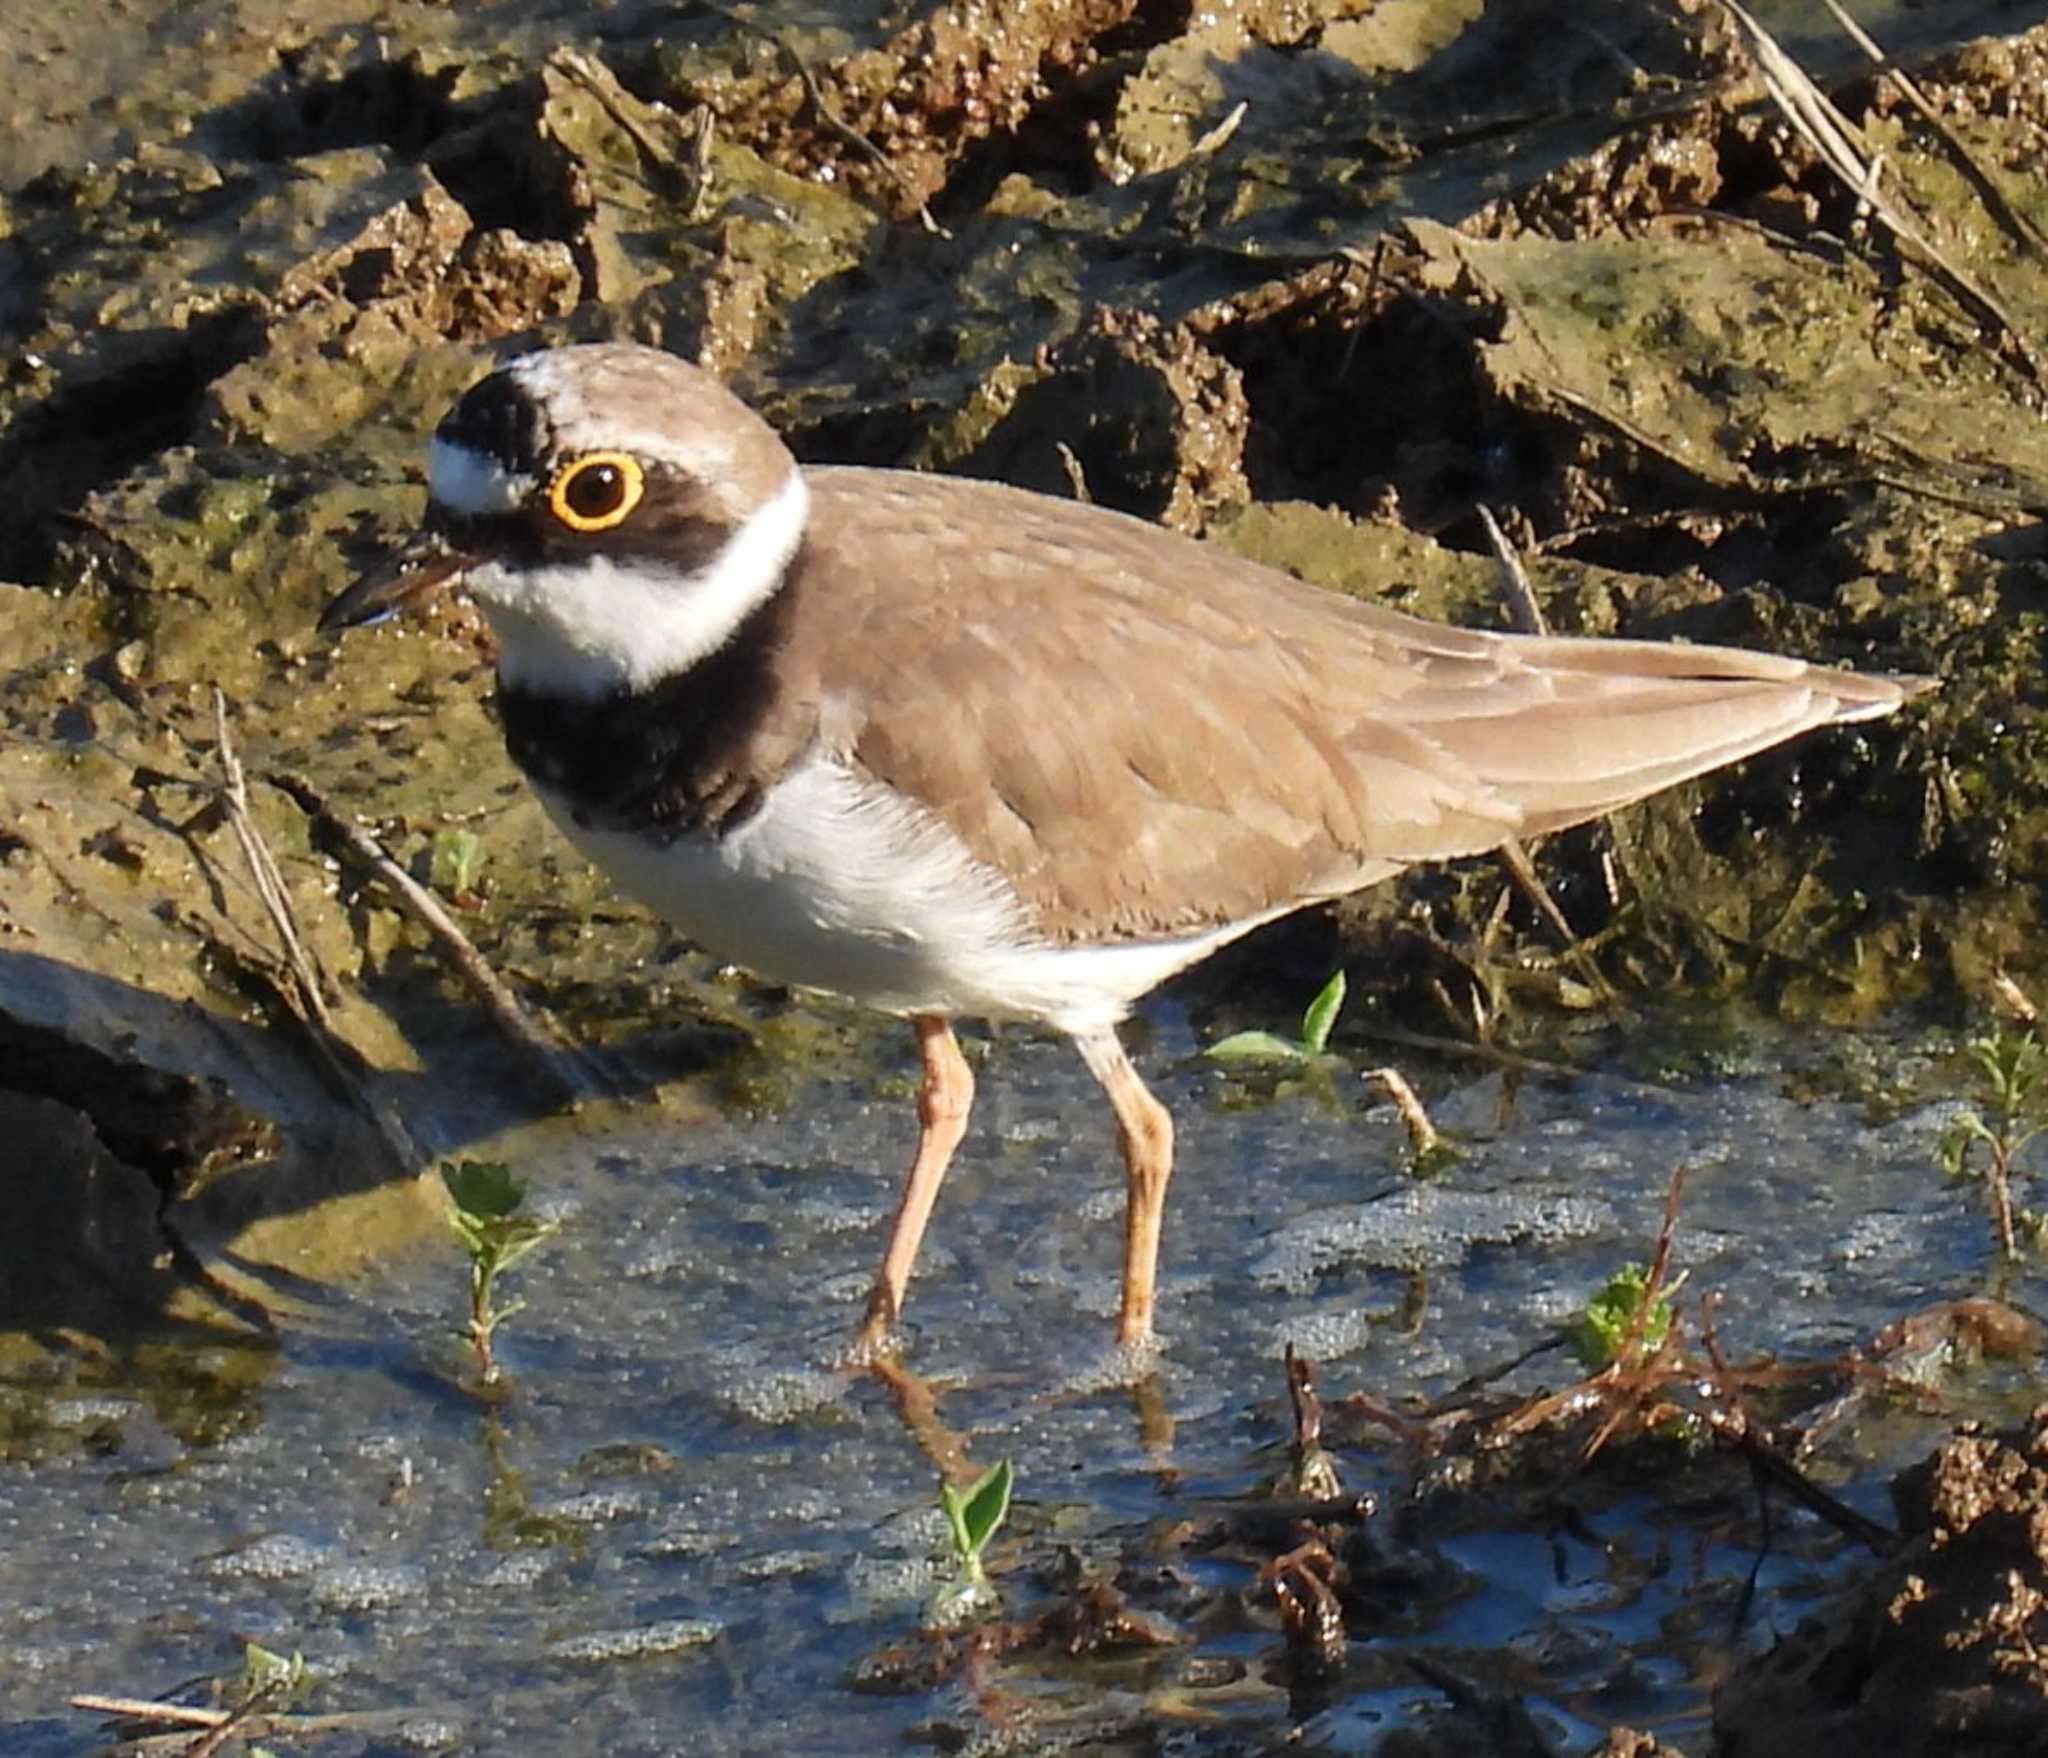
(266, 1684)
(267, 1676)
(1611, 1315)
(2011, 1062)
(453, 860)
(973, 1517)
(487, 1216)
(1316, 1022)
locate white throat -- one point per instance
(589, 627)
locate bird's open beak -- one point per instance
(419, 566)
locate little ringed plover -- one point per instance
(948, 748)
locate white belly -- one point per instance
(837, 883)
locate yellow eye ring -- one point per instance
(597, 491)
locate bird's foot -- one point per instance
(878, 1339)
(1137, 1353)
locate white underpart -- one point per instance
(841, 884)
(596, 624)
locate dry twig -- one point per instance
(307, 996)
(148, 1709)
(551, 1059)
(2018, 226)
(826, 114)
(1423, 1139)
(1835, 140)
(308, 981)
(1525, 615)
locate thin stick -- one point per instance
(240, 1718)
(148, 1709)
(597, 80)
(845, 130)
(2023, 231)
(1524, 613)
(277, 902)
(1423, 1138)
(514, 1023)
(306, 998)
(1833, 137)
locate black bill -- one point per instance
(419, 566)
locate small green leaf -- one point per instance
(954, 1505)
(987, 1504)
(264, 1671)
(1256, 1047)
(453, 860)
(1965, 1130)
(1611, 1314)
(974, 1514)
(518, 1238)
(1322, 1015)
(483, 1190)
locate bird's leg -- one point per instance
(1146, 1132)
(942, 1107)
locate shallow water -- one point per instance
(689, 1528)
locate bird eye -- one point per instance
(597, 491)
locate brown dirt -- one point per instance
(1942, 1650)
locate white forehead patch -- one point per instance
(468, 483)
(689, 422)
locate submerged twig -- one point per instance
(1311, 1470)
(217, 1725)
(241, 1717)
(1631, 1387)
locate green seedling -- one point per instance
(267, 1676)
(1313, 1043)
(973, 1517)
(453, 862)
(2012, 1067)
(487, 1216)
(268, 1683)
(1611, 1316)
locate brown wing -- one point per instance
(1151, 737)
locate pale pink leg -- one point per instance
(1147, 1135)
(942, 1108)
